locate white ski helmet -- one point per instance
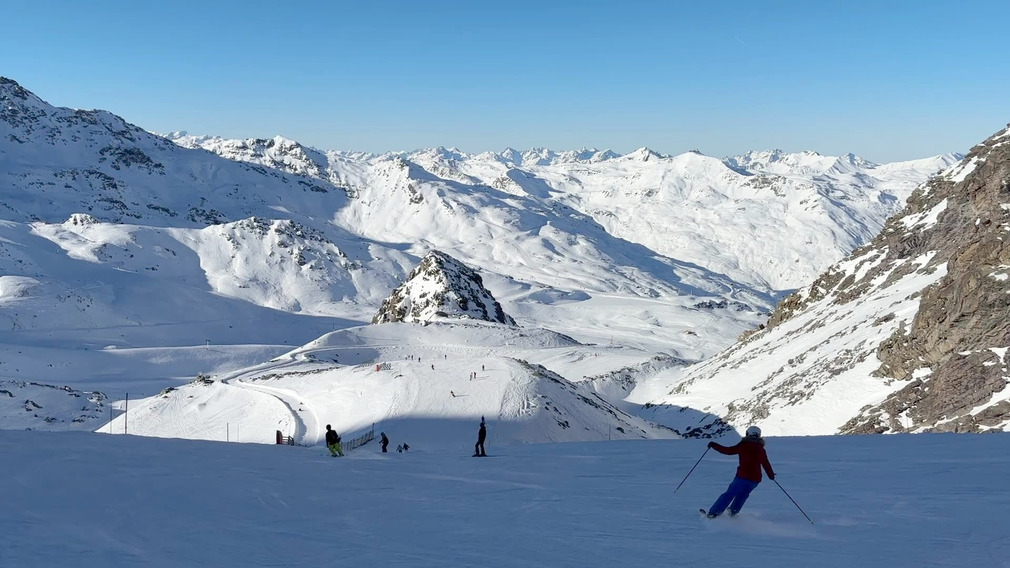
(753, 432)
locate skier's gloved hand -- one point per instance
(711, 444)
(771, 476)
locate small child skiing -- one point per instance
(384, 441)
(751, 451)
(333, 442)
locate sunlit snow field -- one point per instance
(79, 499)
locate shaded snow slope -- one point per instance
(36, 406)
(174, 503)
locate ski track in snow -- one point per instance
(307, 427)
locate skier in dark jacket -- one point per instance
(478, 448)
(384, 441)
(333, 442)
(751, 451)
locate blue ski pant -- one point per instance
(734, 497)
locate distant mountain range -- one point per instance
(767, 219)
(112, 237)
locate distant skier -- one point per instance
(478, 448)
(333, 442)
(453, 394)
(405, 447)
(751, 451)
(384, 441)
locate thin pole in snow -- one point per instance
(126, 415)
(692, 469)
(227, 433)
(794, 502)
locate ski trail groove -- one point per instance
(306, 420)
(236, 380)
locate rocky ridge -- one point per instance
(953, 352)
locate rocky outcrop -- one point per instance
(441, 286)
(28, 405)
(957, 341)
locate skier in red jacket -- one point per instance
(752, 458)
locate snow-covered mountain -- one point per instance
(128, 210)
(771, 220)
(117, 244)
(909, 333)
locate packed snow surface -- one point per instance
(89, 501)
(437, 380)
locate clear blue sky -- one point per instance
(886, 79)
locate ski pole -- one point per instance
(794, 502)
(692, 470)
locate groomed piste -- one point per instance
(77, 499)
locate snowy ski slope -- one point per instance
(435, 381)
(923, 500)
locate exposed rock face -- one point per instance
(441, 286)
(962, 328)
(952, 354)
